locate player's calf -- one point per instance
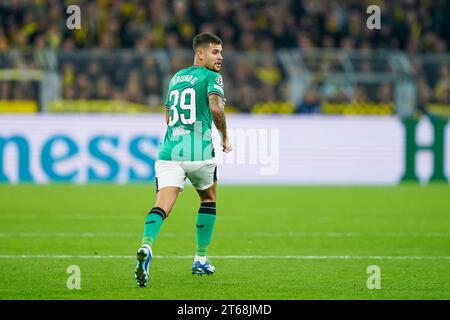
(206, 219)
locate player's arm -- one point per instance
(218, 114)
(167, 107)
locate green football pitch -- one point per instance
(270, 242)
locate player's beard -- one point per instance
(215, 67)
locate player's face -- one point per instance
(213, 57)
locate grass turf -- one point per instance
(85, 222)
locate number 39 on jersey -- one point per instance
(180, 108)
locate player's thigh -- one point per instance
(170, 180)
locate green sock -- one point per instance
(153, 222)
(206, 219)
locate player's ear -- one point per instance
(200, 53)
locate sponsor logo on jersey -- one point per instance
(180, 131)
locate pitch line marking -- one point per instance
(292, 234)
(243, 257)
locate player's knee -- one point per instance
(208, 198)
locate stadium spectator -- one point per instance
(103, 88)
(5, 89)
(442, 87)
(311, 103)
(384, 93)
(133, 89)
(360, 95)
(84, 89)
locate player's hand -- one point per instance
(226, 146)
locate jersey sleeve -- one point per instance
(215, 84)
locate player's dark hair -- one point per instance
(205, 38)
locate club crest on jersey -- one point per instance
(219, 81)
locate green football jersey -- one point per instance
(189, 132)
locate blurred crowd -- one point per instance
(141, 78)
(34, 26)
(410, 25)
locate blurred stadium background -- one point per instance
(313, 98)
(281, 56)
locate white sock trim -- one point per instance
(202, 259)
